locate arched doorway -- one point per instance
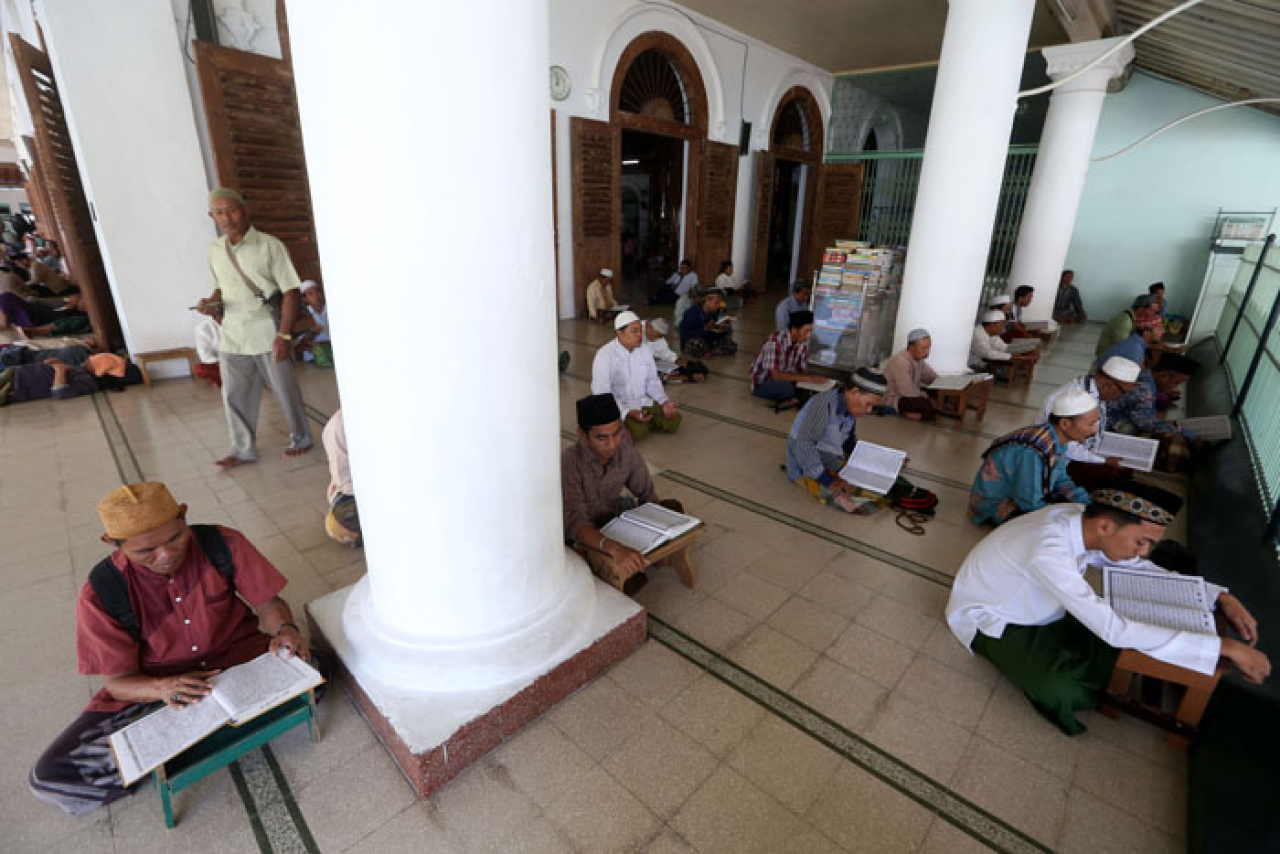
(649, 188)
(802, 203)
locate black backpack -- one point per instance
(113, 593)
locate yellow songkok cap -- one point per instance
(136, 508)
(225, 193)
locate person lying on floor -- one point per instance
(199, 600)
(1105, 384)
(671, 366)
(1025, 470)
(13, 355)
(37, 320)
(906, 374)
(55, 379)
(823, 436)
(626, 370)
(705, 331)
(593, 474)
(783, 361)
(1021, 601)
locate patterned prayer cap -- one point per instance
(868, 381)
(1148, 503)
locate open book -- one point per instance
(816, 388)
(1022, 345)
(648, 526)
(873, 466)
(1212, 428)
(1157, 598)
(956, 382)
(1040, 325)
(1134, 452)
(240, 694)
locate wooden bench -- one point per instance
(674, 554)
(144, 359)
(229, 744)
(1021, 365)
(956, 403)
(1184, 722)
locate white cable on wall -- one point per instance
(1048, 87)
(1171, 125)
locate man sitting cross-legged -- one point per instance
(705, 331)
(671, 367)
(823, 436)
(783, 361)
(1021, 600)
(171, 607)
(593, 474)
(626, 370)
(907, 373)
(1107, 383)
(1027, 469)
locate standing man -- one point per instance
(250, 271)
(1067, 307)
(626, 370)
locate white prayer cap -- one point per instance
(993, 316)
(307, 285)
(916, 334)
(1003, 299)
(606, 273)
(660, 325)
(624, 318)
(1121, 369)
(1073, 403)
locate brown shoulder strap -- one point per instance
(231, 256)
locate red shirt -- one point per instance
(188, 621)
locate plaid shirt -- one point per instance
(779, 353)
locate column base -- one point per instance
(433, 736)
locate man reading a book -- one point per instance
(1109, 382)
(906, 375)
(783, 361)
(1021, 600)
(823, 437)
(593, 475)
(170, 608)
(1024, 470)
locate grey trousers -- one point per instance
(77, 772)
(243, 378)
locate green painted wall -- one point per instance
(1148, 215)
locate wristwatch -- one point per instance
(285, 335)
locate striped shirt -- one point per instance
(821, 437)
(779, 353)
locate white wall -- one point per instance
(744, 79)
(1148, 215)
(139, 158)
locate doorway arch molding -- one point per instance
(784, 89)
(640, 21)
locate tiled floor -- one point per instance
(805, 697)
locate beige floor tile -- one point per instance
(1010, 721)
(668, 842)
(837, 594)
(666, 597)
(839, 694)
(599, 717)
(343, 733)
(753, 597)
(714, 624)
(773, 657)
(801, 620)
(408, 831)
(654, 674)
(785, 763)
(956, 697)
(541, 762)
(578, 814)
(354, 799)
(210, 817)
(895, 620)
(728, 814)
(1093, 827)
(945, 838)
(661, 766)
(863, 814)
(943, 648)
(872, 654)
(482, 812)
(1135, 736)
(790, 571)
(32, 826)
(1152, 793)
(1016, 791)
(926, 597)
(713, 714)
(918, 736)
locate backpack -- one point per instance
(113, 593)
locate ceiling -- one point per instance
(1227, 48)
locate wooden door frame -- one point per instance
(810, 157)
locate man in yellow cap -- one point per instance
(171, 607)
(256, 287)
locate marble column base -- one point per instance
(434, 737)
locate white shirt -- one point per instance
(1030, 572)
(986, 346)
(683, 284)
(629, 375)
(725, 282)
(208, 340)
(1079, 451)
(664, 358)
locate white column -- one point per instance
(983, 49)
(1061, 166)
(427, 142)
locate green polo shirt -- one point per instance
(247, 326)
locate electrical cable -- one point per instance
(1171, 125)
(1049, 87)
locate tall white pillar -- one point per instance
(1061, 166)
(428, 150)
(983, 50)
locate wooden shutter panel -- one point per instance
(252, 111)
(64, 191)
(764, 218)
(597, 192)
(835, 211)
(718, 194)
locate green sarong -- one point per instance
(1061, 667)
(657, 422)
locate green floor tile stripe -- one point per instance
(117, 441)
(926, 572)
(242, 788)
(315, 414)
(924, 790)
(307, 841)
